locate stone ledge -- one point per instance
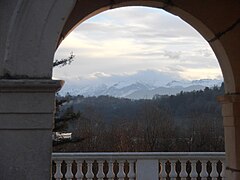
(30, 85)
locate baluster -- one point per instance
(183, 174)
(121, 174)
(214, 173)
(100, 174)
(89, 174)
(193, 173)
(223, 171)
(131, 173)
(110, 174)
(204, 173)
(79, 175)
(69, 174)
(163, 173)
(173, 173)
(58, 175)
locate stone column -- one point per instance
(147, 169)
(26, 121)
(231, 122)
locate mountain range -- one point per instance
(139, 89)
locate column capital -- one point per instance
(229, 98)
(27, 103)
(30, 85)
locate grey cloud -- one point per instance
(205, 52)
(172, 54)
(153, 34)
(149, 75)
(168, 54)
(176, 68)
(196, 63)
(200, 62)
(158, 37)
(133, 23)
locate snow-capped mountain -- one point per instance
(140, 89)
(201, 82)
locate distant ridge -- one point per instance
(140, 90)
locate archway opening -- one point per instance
(151, 57)
(151, 111)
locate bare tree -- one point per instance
(157, 127)
(206, 133)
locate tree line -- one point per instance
(188, 121)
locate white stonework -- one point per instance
(26, 120)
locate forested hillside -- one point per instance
(188, 121)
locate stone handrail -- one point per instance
(138, 165)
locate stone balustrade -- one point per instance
(139, 166)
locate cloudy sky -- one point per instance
(129, 41)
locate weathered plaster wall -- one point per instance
(29, 33)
